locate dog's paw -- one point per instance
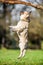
(18, 57)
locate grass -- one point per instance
(32, 57)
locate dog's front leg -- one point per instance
(13, 28)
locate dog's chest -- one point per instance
(24, 31)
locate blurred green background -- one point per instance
(10, 15)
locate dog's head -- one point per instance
(25, 16)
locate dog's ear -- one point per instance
(21, 12)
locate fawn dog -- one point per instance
(22, 31)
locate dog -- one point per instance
(22, 31)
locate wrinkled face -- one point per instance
(25, 15)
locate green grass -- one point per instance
(32, 57)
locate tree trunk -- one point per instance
(4, 9)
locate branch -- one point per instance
(22, 2)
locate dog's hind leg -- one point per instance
(24, 51)
(21, 53)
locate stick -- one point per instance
(22, 2)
